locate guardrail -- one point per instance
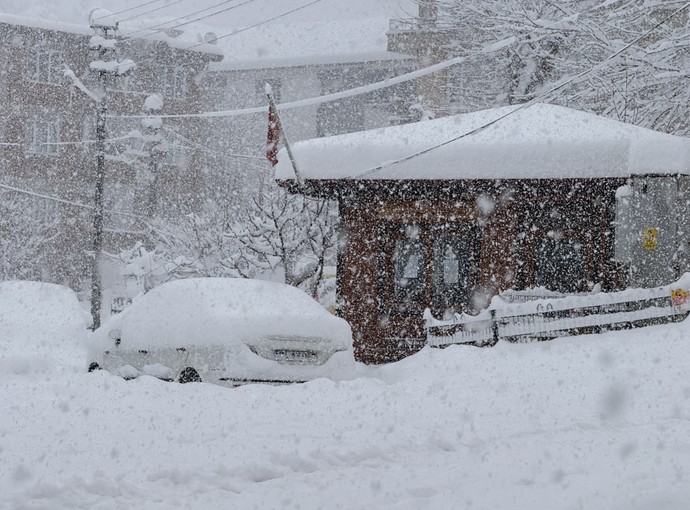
(545, 319)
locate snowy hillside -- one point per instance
(590, 422)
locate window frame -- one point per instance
(570, 220)
(34, 65)
(42, 143)
(390, 235)
(178, 86)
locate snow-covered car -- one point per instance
(224, 330)
(42, 330)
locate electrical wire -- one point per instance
(67, 202)
(133, 35)
(150, 11)
(286, 13)
(208, 149)
(311, 101)
(110, 14)
(370, 171)
(526, 105)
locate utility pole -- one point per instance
(157, 148)
(105, 67)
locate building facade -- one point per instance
(47, 135)
(434, 218)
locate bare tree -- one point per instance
(28, 228)
(288, 235)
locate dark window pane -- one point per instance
(408, 261)
(451, 270)
(560, 264)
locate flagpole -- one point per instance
(272, 107)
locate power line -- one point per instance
(230, 34)
(149, 11)
(110, 14)
(563, 83)
(67, 202)
(286, 13)
(208, 149)
(131, 36)
(363, 89)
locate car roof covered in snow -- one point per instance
(212, 311)
(541, 141)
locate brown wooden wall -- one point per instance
(507, 219)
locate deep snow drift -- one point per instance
(589, 422)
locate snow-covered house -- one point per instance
(433, 218)
(47, 133)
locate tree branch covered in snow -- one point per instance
(535, 43)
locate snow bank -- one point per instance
(542, 141)
(589, 422)
(42, 330)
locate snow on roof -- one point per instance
(542, 141)
(77, 29)
(271, 63)
(306, 40)
(58, 26)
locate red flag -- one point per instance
(273, 138)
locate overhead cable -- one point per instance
(535, 100)
(134, 36)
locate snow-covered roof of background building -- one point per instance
(270, 29)
(538, 142)
(297, 61)
(301, 39)
(85, 29)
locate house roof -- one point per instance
(85, 30)
(539, 142)
(300, 41)
(329, 59)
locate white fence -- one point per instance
(544, 319)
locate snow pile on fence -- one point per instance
(563, 316)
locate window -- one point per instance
(408, 259)
(427, 265)
(176, 155)
(560, 264)
(123, 137)
(45, 66)
(41, 136)
(472, 85)
(451, 270)
(173, 82)
(118, 198)
(338, 117)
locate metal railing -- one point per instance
(546, 319)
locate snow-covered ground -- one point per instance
(596, 422)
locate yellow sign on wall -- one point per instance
(679, 297)
(649, 236)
